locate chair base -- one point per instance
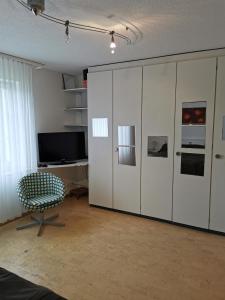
(41, 222)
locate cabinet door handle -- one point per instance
(116, 149)
(219, 156)
(178, 153)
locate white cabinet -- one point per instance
(100, 138)
(158, 111)
(127, 94)
(193, 141)
(217, 211)
(151, 139)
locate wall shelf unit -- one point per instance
(193, 125)
(76, 90)
(75, 106)
(75, 125)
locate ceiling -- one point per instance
(167, 27)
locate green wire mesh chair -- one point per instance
(39, 192)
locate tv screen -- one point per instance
(64, 147)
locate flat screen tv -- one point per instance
(61, 147)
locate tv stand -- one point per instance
(73, 175)
(61, 162)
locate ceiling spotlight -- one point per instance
(37, 6)
(112, 51)
(112, 44)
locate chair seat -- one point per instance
(43, 202)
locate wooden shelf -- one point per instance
(81, 163)
(75, 125)
(76, 90)
(75, 108)
(194, 125)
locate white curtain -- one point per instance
(18, 155)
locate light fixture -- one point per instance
(112, 44)
(38, 8)
(67, 24)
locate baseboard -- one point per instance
(161, 220)
(15, 219)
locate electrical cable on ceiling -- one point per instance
(38, 8)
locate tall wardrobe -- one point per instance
(157, 138)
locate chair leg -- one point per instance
(41, 221)
(40, 230)
(54, 224)
(27, 225)
(52, 218)
(35, 219)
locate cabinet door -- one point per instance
(158, 112)
(100, 138)
(193, 141)
(217, 211)
(127, 93)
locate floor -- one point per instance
(104, 255)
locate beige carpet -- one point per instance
(103, 255)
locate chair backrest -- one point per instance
(39, 183)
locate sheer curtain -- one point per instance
(17, 133)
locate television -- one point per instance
(61, 147)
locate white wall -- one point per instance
(49, 100)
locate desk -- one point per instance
(73, 175)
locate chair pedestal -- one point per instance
(41, 221)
